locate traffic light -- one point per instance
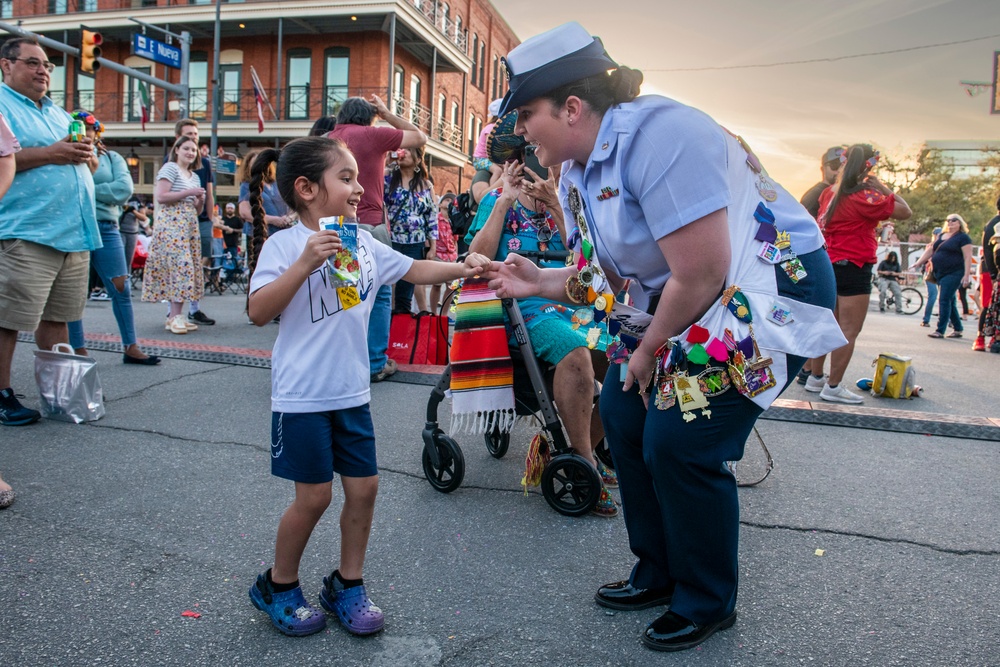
(90, 50)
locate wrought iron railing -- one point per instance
(431, 9)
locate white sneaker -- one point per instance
(177, 325)
(815, 384)
(839, 394)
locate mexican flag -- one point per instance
(143, 100)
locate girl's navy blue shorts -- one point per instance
(309, 447)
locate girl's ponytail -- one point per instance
(261, 167)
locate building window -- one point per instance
(198, 83)
(482, 65)
(444, 16)
(397, 90)
(299, 71)
(415, 100)
(458, 27)
(230, 76)
(335, 90)
(84, 97)
(475, 57)
(442, 108)
(495, 86)
(57, 6)
(6, 9)
(454, 115)
(470, 136)
(133, 100)
(87, 5)
(57, 82)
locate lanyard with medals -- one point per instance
(590, 286)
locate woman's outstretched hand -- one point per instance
(516, 277)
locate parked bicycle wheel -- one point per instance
(912, 301)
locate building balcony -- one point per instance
(422, 29)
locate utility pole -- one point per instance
(216, 82)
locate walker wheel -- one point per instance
(496, 443)
(448, 476)
(571, 485)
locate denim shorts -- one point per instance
(310, 447)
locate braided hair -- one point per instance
(307, 157)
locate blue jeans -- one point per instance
(932, 296)
(679, 499)
(378, 329)
(109, 262)
(404, 290)
(947, 301)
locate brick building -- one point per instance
(435, 63)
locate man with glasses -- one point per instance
(830, 167)
(48, 222)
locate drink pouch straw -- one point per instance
(343, 265)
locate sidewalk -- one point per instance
(167, 505)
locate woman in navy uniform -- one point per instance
(731, 291)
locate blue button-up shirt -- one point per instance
(52, 205)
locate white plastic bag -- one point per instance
(68, 385)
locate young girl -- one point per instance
(321, 423)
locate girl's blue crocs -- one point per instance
(289, 611)
(352, 606)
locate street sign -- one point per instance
(225, 166)
(157, 51)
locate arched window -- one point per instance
(337, 65)
(230, 82)
(299, 80)
(198, 83)
(398, 81)
(415, 100)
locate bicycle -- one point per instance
(912, 300)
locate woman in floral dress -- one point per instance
(173, 271)
(413, 223)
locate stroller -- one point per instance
(569, 483)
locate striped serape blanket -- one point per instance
(482, 375)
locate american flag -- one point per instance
(261, 97)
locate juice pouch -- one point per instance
(343, 265)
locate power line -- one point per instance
(824, 60)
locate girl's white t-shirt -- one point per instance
(320, 358)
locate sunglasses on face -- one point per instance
(953, 220)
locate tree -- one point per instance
(933, 187)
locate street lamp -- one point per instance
(132, 160)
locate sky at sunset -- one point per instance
(791, 113)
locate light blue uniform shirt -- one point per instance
(667, 165)
(51, 205)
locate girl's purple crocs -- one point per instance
(353, 607)
(289, 611)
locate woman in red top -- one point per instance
(850, 211)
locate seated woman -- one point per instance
(522, 216)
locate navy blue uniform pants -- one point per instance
(679, 499)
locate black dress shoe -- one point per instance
(151, 360)
(673, 632)
(623, 596)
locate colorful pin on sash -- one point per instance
(737, 303)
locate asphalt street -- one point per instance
(167, 505)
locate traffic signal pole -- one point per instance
(181, 89)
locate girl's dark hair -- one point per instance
(322, 126)
(181, 140)
(356, 111)
(601, 91)
(892, 257)
(852, 175)
(308, 157)
(420, 181)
